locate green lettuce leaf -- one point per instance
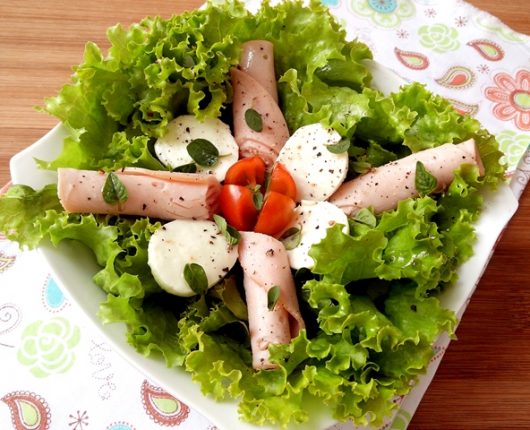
(387, 122)
(436, 123)
(21, 208)
(153, 71)
(342, 258)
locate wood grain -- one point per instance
(484, 379)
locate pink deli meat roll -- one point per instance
(383, 187)
(265, 265)
(257, 59)
(266, 143)
(155, 194)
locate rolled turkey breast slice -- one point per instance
(265, 265)
(155, 194)
(383, 187)
(249, 94)
(257, 59)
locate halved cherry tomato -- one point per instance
(236, 204)
(247, 171)
(282, 182)
(277, 212)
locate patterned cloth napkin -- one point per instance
(59, 373)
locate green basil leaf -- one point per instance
(254, 120)
(272, 297)
(360, 166)
(203, 152)
(356, 151)
(188, 61)
(267, 182)
(257, 198)
(186, 168)
(195, 277)
(228, 292)
(424, 181)
(113, 190)
(338, 148)
(231, 235)
(376, 155)
(365, 216)
(291, 238)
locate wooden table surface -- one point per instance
(484, 379)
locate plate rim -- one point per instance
(24, 170)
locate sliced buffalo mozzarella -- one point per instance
(313, 220)
(171, 149)
(318, 172)
(182, 242)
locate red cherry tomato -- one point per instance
(236, 201)
(247, 171)
(282, 182)
(277, 212)
(236, 204)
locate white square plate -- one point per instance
(73, 267)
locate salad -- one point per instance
(367, 290)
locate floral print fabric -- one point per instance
(511, 95)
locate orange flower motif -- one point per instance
(512, 98)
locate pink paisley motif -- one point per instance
(464, 108)
(487, 49)
(412, 60)
(511, 96)
(29, 411)
(162, 407)
(439, 351)
(6, 261)
(457, 77)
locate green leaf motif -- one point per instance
(439, 37)
(424, 180)
(113, 190)
(401, 420)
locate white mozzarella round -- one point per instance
(171, 149)
(182, 242)
(318, 172)
(313, 219)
